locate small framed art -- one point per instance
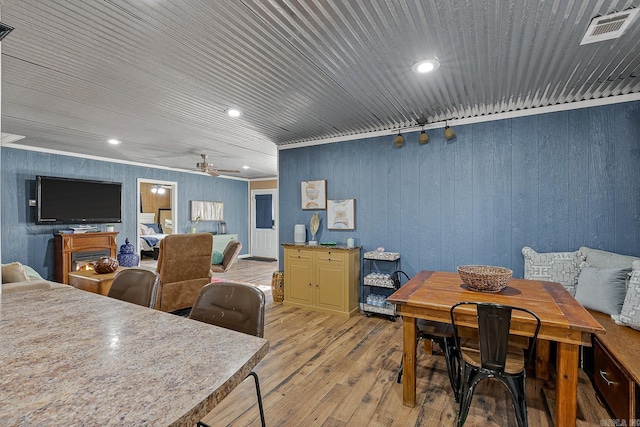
(341, 214)
(314, 194)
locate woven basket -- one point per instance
(105, 265)
(485, 278)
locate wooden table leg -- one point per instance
(567, 385)
(409, 361)
(543, 349)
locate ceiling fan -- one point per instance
(206, 167)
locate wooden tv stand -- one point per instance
(67, 244)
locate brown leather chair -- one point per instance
(135, 285)
(229, 256)
(234, 306)
(184, 267)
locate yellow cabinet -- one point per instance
(322, 278)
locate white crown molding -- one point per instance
(106, 159)
(481, 119)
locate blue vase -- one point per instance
(128, 256)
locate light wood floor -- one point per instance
(324, 370)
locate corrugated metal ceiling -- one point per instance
(159, 75)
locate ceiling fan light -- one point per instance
(399, 140)
(449, 133)
(161, 190)
(426, 66)
(232, 112)
(423, 138)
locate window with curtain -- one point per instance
(264, 211)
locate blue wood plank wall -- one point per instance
(554, 181)
(31, 244)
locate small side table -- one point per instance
(90, 281)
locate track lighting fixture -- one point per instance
(423, 138)
(399, 141)
(448, 132)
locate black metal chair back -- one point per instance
(440, 333)
(396, 277)
(494, 324)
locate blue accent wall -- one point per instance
(31, 244)
(554, 181)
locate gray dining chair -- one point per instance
(234, 306)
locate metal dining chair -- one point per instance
(234, 306)
(439, 333)
(493, 357)
(135, 285)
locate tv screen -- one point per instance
(74, 201)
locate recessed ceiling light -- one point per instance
(232, 112)
(114, 142)
(425, 66)
(245, 167)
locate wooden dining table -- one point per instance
(431, 294)
(75, 358)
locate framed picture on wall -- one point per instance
(207, 211)
(341, 214)
(314, 194)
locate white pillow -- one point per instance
(145, 231)
(14, 272)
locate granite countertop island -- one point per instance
(69, 357)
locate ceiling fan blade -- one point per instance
(213, 173)
(227, 170)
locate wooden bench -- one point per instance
(616, 367)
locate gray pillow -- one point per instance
(561, 267)
(630, 314)
(604, 259)
(602, 289)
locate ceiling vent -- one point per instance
(5, 30)
(609, 26)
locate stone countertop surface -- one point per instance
(69, 357)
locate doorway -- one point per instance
(157, 203)
(264, 223)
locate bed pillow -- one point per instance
(217, 257)
(630, 313)
(146, 231)
(561, 267)
(602, 289)
(155, 227)
(13, 272)
(33, 275)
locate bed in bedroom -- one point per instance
(151, 234)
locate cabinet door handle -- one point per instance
(603, 374)
(309, 284)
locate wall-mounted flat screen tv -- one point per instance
(77, 201)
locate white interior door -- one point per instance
(264, 234)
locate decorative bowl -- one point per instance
(105, 265)
(485, 278)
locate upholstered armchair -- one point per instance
(184, 267)
(229, 256)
